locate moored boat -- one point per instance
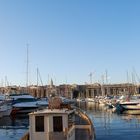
(25, 103)
(131, 106)
(5, 109)
(59, 122)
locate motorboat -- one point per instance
(129, 104)
(25, 103)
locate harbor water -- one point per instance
(13, 128)
(108, 125)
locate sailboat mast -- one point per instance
(106, 76)
(27, 67)
(37, 77)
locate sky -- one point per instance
(68, 40)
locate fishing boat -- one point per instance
(59, 122)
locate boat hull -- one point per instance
(16, 111)
(131, 107)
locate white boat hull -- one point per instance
(5, 110)
(131, 107)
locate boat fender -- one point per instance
(14, 111)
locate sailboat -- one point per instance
(25, 103)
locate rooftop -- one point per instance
(53, 111)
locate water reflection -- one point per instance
(109, 125)
(132, 112)
(12, 122)
(12, 128)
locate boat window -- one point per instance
(39, 123)
(57, 124)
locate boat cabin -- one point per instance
(51, 124)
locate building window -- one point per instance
(89, 93)
(39, 123)
(57, 124)
(95, 92)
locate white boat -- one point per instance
(131, 106)
(89, 100)
(5, 109)
(128, 103)
(67, 100)
(25, 103)
(80, 100)
(5, 97)
(25, 107)
(22, 97)
(56, 123)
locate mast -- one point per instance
(127, 75)
(37, 77)
(106, 76)
(90, 77)
(27, 67)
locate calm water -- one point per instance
(111, 126)
(108, 125)
(13, 128)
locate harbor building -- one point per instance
(75, 91)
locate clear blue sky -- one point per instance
(69, 39)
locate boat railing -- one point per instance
(25, 137)
(89, 126)
(69, 132)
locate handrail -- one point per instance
(85, 116)
(26, 136)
